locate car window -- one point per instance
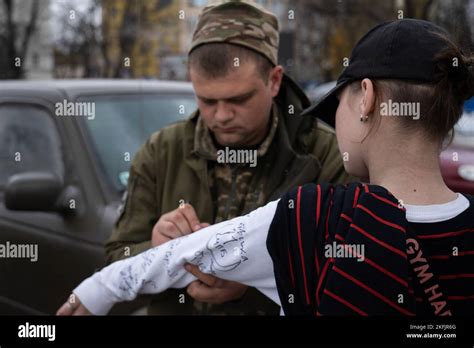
(28, 142)
(123, 124)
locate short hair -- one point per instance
(216, 60)
(441, 103)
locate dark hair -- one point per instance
(441, 103)
(217, 59)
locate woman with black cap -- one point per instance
(394, 106)
(401, 245)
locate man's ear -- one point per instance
(275, 77)
(367, 103)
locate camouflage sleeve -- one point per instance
(140, 208)
(323, 145)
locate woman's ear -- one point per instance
(367, 103)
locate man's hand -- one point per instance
(73, 307)
(207, 288)
(175, 224)
(213, 290)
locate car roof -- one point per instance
(71, 88)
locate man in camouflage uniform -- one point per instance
(177, 182)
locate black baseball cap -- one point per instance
(404, 49)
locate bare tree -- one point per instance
(329, 29)
(80, 43)
(84, 42)
(128, 34)
(15, 37)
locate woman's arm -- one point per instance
(232, 250)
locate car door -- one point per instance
(59, 249)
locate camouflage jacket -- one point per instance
(174, 167)
(233, 186)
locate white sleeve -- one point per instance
(233, 250)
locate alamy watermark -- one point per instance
(28, 330)
(19, 251)
(84, 109)
(233, 156)
(345, 251)
(391, 108)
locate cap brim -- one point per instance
(325, 108)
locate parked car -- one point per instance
(457, 160)
(62, 176)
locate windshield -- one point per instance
(122, 124)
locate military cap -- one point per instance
(239, 23)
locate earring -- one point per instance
(364, 118)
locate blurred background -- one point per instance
(62, 178)
(91, 38)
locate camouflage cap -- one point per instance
(240, 23)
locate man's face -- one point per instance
(236, 107)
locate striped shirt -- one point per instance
(350, 250)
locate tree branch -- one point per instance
(30, 28)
